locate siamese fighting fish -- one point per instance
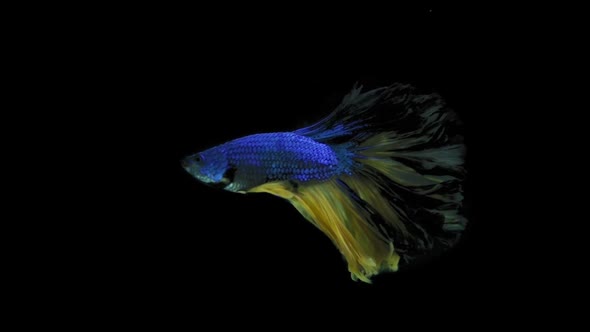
(381, 175)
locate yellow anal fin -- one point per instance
(282, 189)
(370, 191)
(336, 214)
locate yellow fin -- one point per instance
(281, 189)
(369, 190)
(336, 214)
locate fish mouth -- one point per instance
(185, 164)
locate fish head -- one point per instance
(209, 166)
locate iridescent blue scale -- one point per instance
(263, 158)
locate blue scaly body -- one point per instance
(257, 159)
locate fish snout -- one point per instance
(185, 163)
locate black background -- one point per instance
(165, 84)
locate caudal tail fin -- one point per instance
(401, 194)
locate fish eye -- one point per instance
(198, 158)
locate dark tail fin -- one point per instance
(400, 192)
(406, 164)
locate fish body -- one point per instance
(381, 175)
(261, 158)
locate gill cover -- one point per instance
(210, 166)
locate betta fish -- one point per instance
(381, 175)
